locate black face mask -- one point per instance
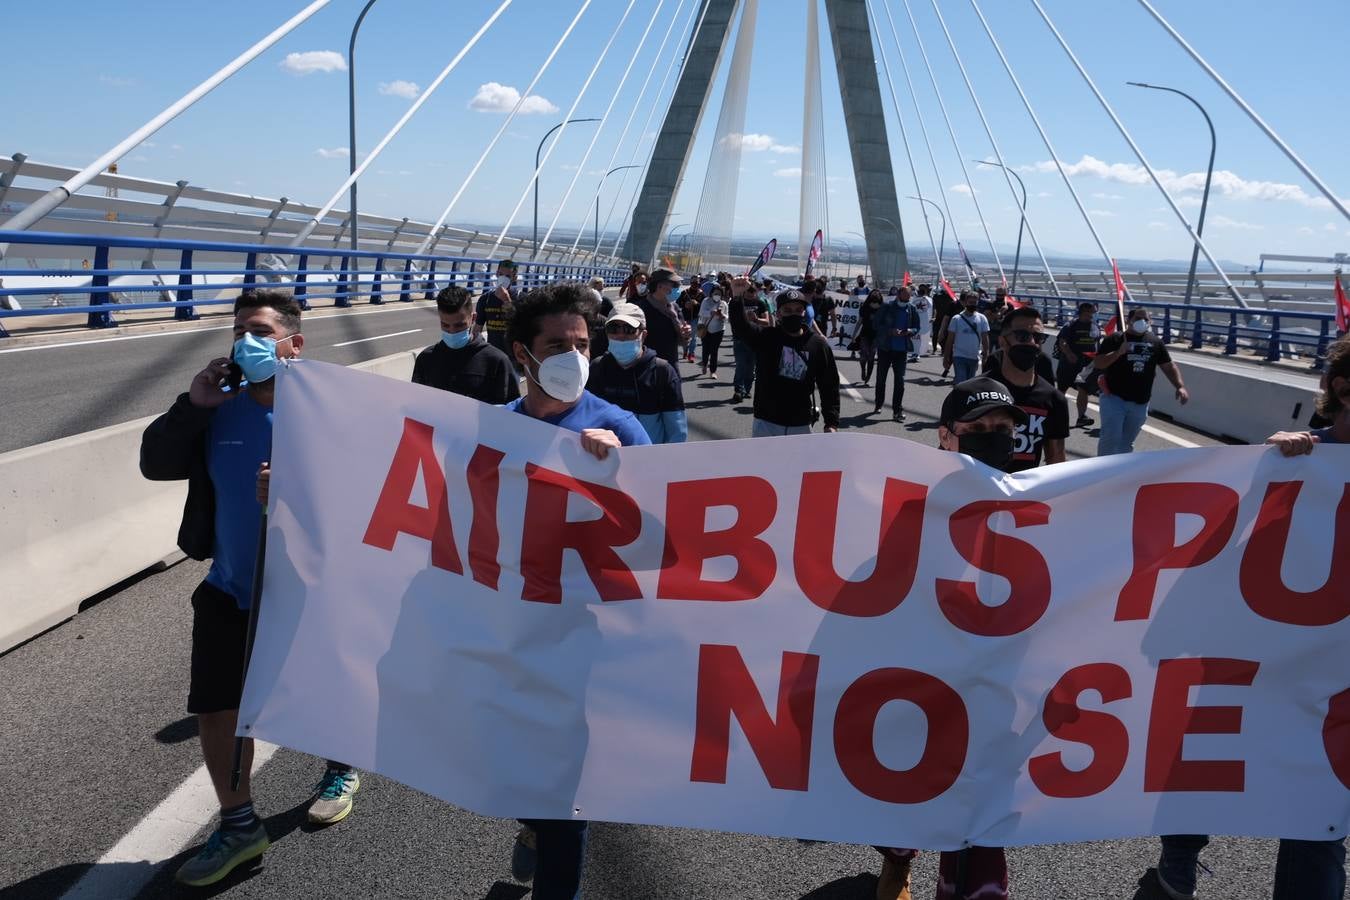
(792, 324)
(1023, 356)
(969, 309)
(993, 448)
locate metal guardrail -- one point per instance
(317, 274)
(1270, 334)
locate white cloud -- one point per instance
(117, 81)
(408, 90)
(1225, 222)
(1159, 226)
(1101, 196)
(756, 143)
(794, 172)
(1104, 213)
(335, 153)
(311, 61)
(1225, 182)
(494, 97)
(1045, 194)
(1330, 226)
(1185, 202)
(176, 148)
(1305, 230)
(961, 189)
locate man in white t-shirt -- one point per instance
(966, 340)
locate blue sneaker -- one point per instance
(334, 800)
(224, 851)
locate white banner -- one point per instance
(843, 637)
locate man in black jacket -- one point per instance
(665, 330)
(461, 363)
(218, 436)
(633, 377)
(793, 363)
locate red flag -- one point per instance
(1119, 320)
(948, 288)
(908, 281)
(1014, 302)
(1342, 307)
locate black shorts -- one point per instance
(219, 634)
(1066, 373)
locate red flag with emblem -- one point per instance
(1342, 307)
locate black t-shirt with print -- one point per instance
(1047, 419)
(1082, 338)
(1131, 377)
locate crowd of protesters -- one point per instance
(608, 368)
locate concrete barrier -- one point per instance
(76, 518)
(1235, 400)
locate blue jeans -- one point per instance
(693, 339)
(964, 369)
(1304, 870)
(1121, 423)
(561, 848)
(744, 379)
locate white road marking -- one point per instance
(853, 393)
(160, 836)
(178, 332)
(378, 337)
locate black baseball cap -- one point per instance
(972, 399)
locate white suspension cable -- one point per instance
(561, 131)
(1124, 132)
(524, 95)
(993, 141)
(1045, 138)
(923, 127)
(637, 104)
(1237, 98)
(62, 192)
(604, 119)
(314, 221)
(651, 152)
(960, 157)
(904, 137)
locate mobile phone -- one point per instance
(235, 377)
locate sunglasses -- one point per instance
(1027, 336)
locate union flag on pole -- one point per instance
(1119, 320)
(1342, 307)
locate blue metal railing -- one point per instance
(317, 274)
(1272, 334)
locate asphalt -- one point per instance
(93, 735)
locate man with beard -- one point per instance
(1047, 425)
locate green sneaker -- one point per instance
(224, 851)
(334, 800)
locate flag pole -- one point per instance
(255, 600)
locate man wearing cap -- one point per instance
(632, 377)
(793, 364)
(979, 419)
(494, 307)
(665, 328)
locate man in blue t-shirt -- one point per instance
(218, 436)
(550, 337)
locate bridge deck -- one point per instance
(102, 740)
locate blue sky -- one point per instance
(280, 127)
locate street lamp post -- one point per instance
(867, 260)
(537, 153)
(597, 203)
(671, 233)
(1017, 259)
(899, 243)
(351, 118)
(942, 244)
(848, 264)
(1209, 176)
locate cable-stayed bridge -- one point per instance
(115, 288)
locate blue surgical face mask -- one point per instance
(625, 353)
(456, 340)
(676, 291)
(257, 357)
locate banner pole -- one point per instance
(254, 600)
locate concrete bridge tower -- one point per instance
(851, 38)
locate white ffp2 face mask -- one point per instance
(563, 376)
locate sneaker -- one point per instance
(898, 417)
(1084, 421)
(1151, 887)
(713, 376)
(737, 396)
(876, 409)
(224, 851)
(893, 883)
(944, 373)
(524, 855)
(334, 800)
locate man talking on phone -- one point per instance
(217, 437)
